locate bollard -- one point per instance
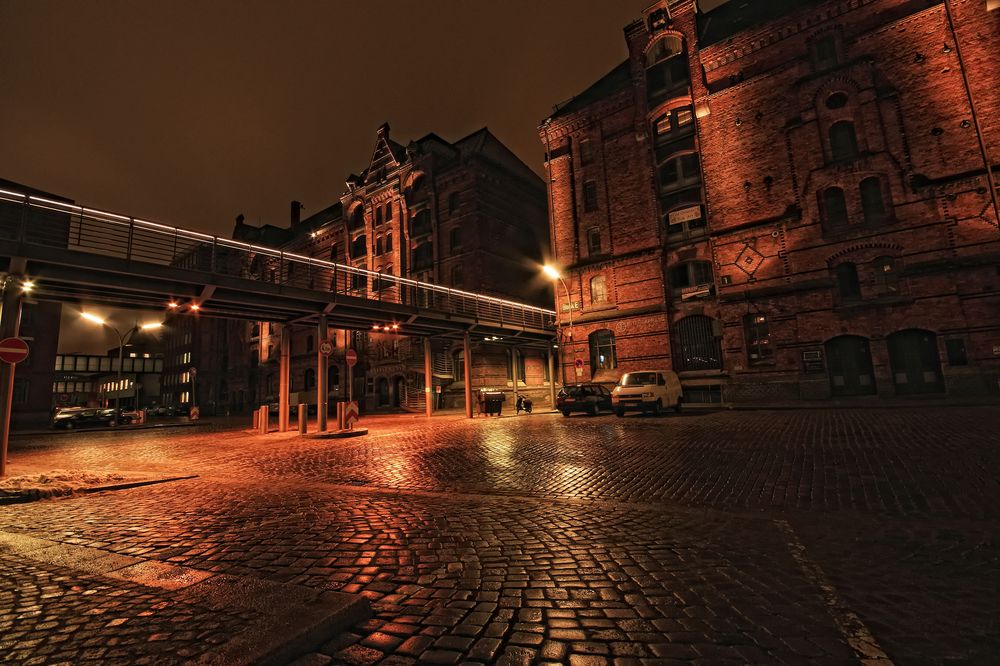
(263, 420)
(256, 419)
(303, 417)
(340, 416)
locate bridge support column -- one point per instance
(550, 359)
(428, 378)
(322, 390)
(467, 362)
(284, 377)
(10, 322)
(513, 373)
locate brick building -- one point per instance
(786, 200)
(468, 215)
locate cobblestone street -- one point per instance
(821, 536)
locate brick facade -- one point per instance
(793, 197)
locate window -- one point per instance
(380, 282)
(455, 239)
(698, 346)
(458, 365)
(847, 281)
(310, 379)
(359, 280)
(456, 277)
(673, 125)
(388, 243)
(680, 172)
(388, 211)
(886, 276)
(359, 248)
(334, 252)
(825, 52)
(834, 209)
(20, 394)
(589, 196)
(421, 223)
(586, 152)
(332, 377)
(598, 290)
(378, 245)
(453, 202)
(688, 220)
(843, 141)
(871, 200)
(423, 256)
(309, 343)
(837, 100)
(378, 216)
(666, 68)
(358, 217)
(690, 274)
(520, 366)
(602, 350)
(593, 241)
(758, 336)
(956, 352)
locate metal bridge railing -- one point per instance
(36, 220)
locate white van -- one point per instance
(647, 391)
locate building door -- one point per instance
(916, 367)
(382, 392)
(398, 391)
(697, 346)
(849, 361)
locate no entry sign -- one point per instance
(351, 357)
(13, 350)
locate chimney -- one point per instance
(296, 213)
(239, 220)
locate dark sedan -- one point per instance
(589, 398)
(86, 417)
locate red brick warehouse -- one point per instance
(786, 200)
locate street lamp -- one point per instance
(121, 348)
(554, 274)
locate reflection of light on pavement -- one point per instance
(500, 448)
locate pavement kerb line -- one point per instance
(25, 499)
(292, 620)
(851, 627)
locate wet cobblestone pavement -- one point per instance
(814, 536)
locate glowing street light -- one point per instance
(100, 321)
(552, 273)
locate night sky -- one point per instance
(193, 112)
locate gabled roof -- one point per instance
(615, 80)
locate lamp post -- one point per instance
(554, 274)
(122, 338)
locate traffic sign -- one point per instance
(350, 414)
(579, 363)
(351, 357)
(13, 350)
(326, 348)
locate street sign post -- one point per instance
(13, 350)
(351, 357)
(326, 348)
(579, 367)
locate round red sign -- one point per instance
(351, 357)
(13, 350)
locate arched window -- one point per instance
(388, 211)
(458, 365)
(388, 242)
(358, 217)
(309, 343)
(598, 290)
(664, 49)
(847, 281)
(310, 378)
(332, 377)
(378, 245)
(698, 347)
(418, 183)
(680, 172)
(843, 141)
(457, 280)
(453, 202)
(421, 223)
(359, 248)
(886, 276)
(834, 209)
(666, 68)
(378, 215)
(455, 239)
(603, 355)
(871, 200)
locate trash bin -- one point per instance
(493, 402)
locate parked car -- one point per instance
(164, 410)
(647, 391)
(86, 417)
(589, 398)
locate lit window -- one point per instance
(598, 290)
(602, 350)
(758, 336)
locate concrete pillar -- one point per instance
(552, 377)
(303, 417)
(284, 377)
(467, 362)
(322, 390)
(513, 373)
(263, 419)
(10, 323)
(428, 378)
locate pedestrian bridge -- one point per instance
(77, 254)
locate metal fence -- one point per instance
(35, 220)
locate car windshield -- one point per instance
(638, 378)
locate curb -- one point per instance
(335, 434)
(25, 499)
(121, 428)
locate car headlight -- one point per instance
(647, 395)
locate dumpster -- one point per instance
(492, 402)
